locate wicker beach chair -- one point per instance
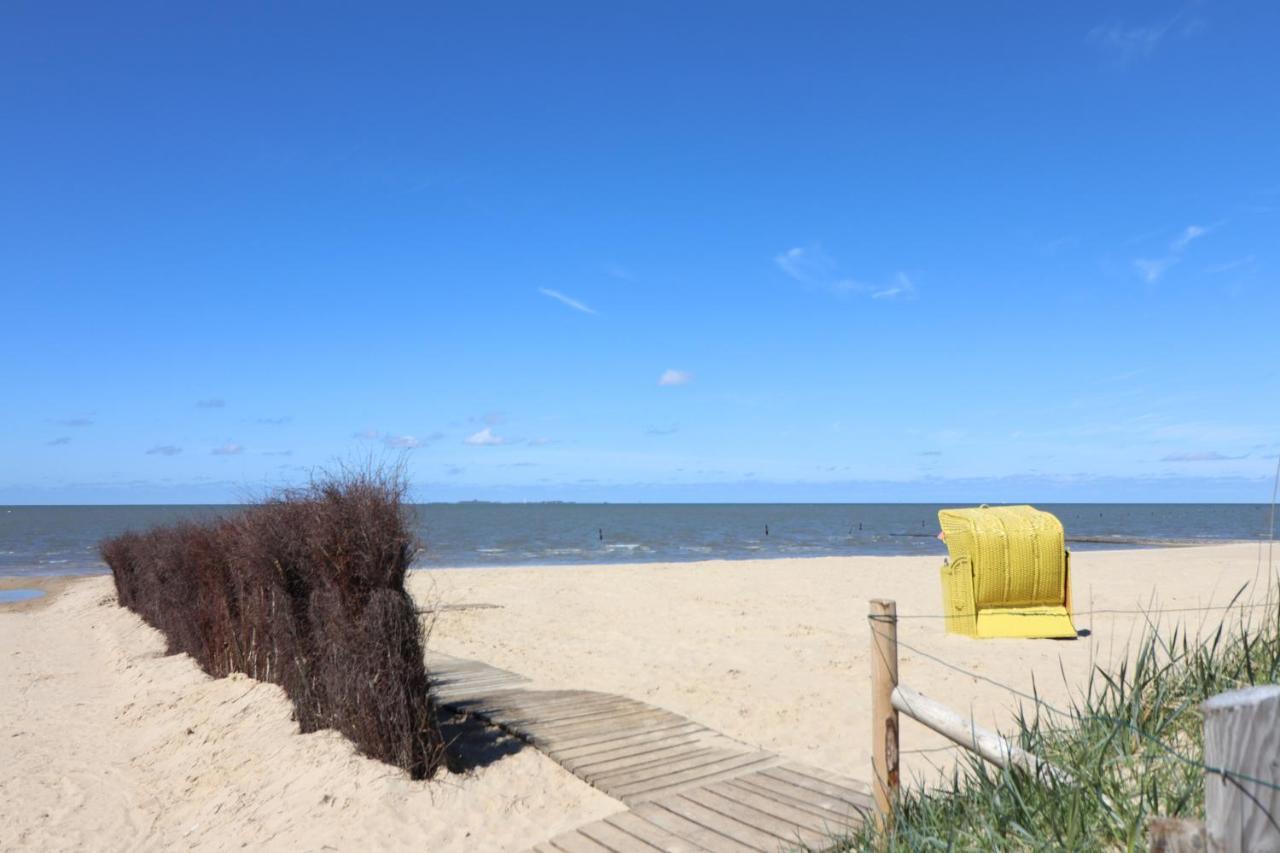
(1008, 575)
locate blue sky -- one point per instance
(653, 251)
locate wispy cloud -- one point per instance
(566, 300)
(59, 441)
(1191, 232)
(807, 265)
(277, 453)
(367, 434)
(165, 450)
(283, 419)
(1126, 44)
(401, 442)
(1152, 269)
(228, 449)
(211, 403)
(814, 268)
(1228, 266)
(540, 442)
(671, 377)
(901, 288)
(484, 438)
(621, 273)
(1201, 456)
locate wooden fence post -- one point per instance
(1242, 734)
(883, 620)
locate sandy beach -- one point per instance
(110, 745)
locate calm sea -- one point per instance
(63, 539)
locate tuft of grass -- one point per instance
(1132, 745)
(304, 589)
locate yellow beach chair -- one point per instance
(1009, 573)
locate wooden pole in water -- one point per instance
(1242, 736)
(883, 619)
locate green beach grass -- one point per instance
(1132, 746)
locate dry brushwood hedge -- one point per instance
(306, 590)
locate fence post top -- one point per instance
(1243, 697)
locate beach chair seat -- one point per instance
(1008, 574)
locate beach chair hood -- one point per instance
(1008, 574)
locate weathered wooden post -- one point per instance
(883, 621)
(1242, 736)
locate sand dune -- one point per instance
(109, 745)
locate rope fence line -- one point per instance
(1235, 778)
(1076, 716)
(1155, 611)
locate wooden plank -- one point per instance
(790, 833)
(686, 729)
(568, 716)
(801, 793)
(565, 743)
(857, 786)
(615, 839)
(615, 712)
(627, 722)
(666, 768)
(641, 764)
(787, 773)
(726, 826)
(637, 827)
(585, 759)
(636, 757)
(684, 828)
(825, 826)
(576, 842)
(827, 810)
(651, 788)
(518, 702)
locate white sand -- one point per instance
(108, 745)
(775, 652)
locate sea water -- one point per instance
(46, 540)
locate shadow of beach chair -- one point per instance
(1008, 574)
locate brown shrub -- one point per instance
(304, 589)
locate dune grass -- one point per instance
(304, 589)
(1132, 746)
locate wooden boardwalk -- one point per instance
(689, 788)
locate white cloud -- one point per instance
(1201, 456)
(813, 268)
(566, 300)
(806, 265)
(401, 442)
(165, 450)
(1151, 269)
(228, 449)
(1238, 263)
(671, 376)
(367, 434)
(484, 438)
(902, 288)
(1128, 44)
(1191, 232)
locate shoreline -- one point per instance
(1098, 543)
